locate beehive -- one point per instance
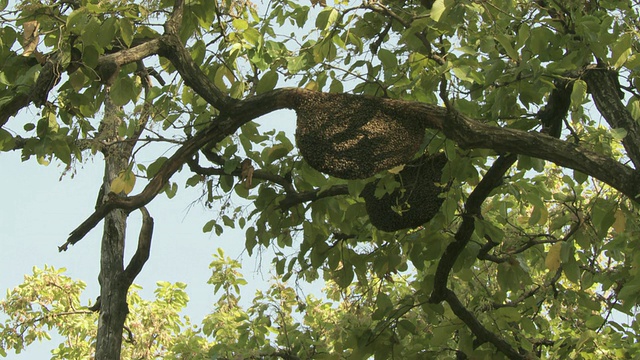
(355, 137)
(419, 197)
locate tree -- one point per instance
(484, 152)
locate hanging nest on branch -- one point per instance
(355, 137)
(415, 202)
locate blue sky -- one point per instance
(40, 208)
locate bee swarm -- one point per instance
(355, 137)
(418, 198)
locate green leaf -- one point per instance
(267, 82)
(226, 183)
(240, 24)
(126, 31)
(107, 32)
(621, 50)
(437, 9)
(276, 152)
(594, 322)
(297, 63)
(154, 167)
(77, 20)
(326, 18)
(123, 91)
(90, 56)
(253, 37)
(76, 80)
(540, 39)
(509, 313)
(634, 108)
(506, 44)
(344, 276)
(578, 94)
(618, 134)
(6, 139)
(208, 226)
(251, 240)
(171, 189)
(388, 59)
(62, 151)
(91, 32)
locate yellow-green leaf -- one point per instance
(437, 9)
(240, 24)
(621, 222)
(117, 185)
(621, 50)
(129, 180)
(397, 169)
(578, 93)
(552, 261)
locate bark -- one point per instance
(114, 279)
(113, 291)
(605, 89)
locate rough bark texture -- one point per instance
(113, 292)
(605, 89)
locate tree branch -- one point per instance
(144, 248)
(257, 174)
(468, 133)
(491, 180)
(292, 197)
(605, 89)
(174, 50)
(478, 329)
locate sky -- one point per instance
(40, 208)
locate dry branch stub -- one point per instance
(418, 197)
(355, 137)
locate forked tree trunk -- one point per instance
(113, 286)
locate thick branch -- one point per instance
(217, 131)
(12, 107)
(468, 133)
(136, 53)
(604, 87)
(478, 329)
(191, 73)
(491, 180)
(472, 134)
(51, 71)
(172, 26)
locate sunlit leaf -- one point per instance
(552, 261)
(437, 9)
(578, 93)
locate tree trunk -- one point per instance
(113, 287)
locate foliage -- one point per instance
(534, 103)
